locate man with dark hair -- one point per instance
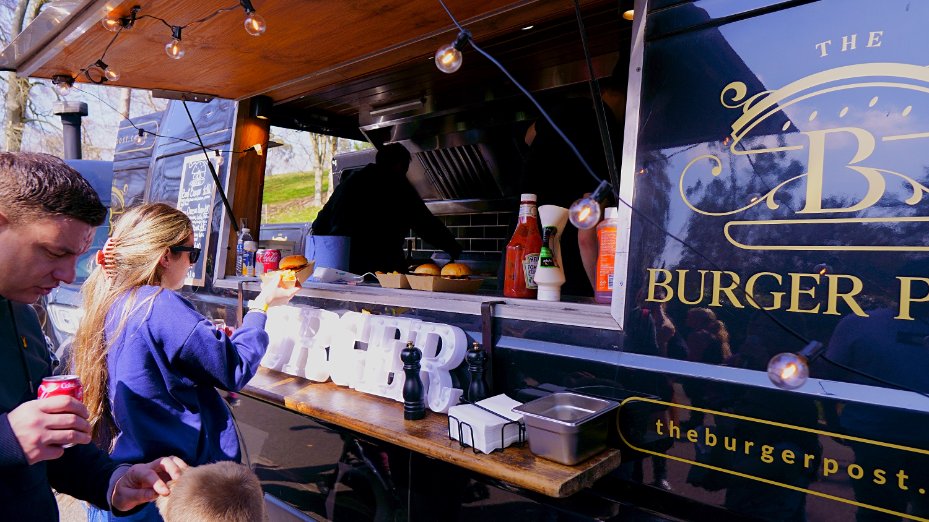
(47, 217)
(376, 207)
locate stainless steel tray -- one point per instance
(567, 427)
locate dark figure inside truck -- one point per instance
(376, 207)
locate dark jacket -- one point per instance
(377, 210)
(83, 472)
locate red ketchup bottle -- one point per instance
(522, 252)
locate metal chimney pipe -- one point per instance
(71, 113)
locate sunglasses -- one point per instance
(194, 252)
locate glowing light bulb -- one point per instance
(255, 24)
(174, 49)
(448, 59)
(140, 138)
(585, 213)
(629, 14)
(823, 269)
(110, 74)
(111, 24)
(788, 370)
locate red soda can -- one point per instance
(61, 385)
(260, 262)
(272, 259)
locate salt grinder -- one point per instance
(476, 358)
(414, 404)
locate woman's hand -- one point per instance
(271, 292)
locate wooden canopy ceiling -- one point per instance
(309, 46)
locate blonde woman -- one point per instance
(150, 363)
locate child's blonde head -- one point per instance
(219, 492)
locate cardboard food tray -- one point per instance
(304, 274)
(392, 280)
(301, 275)
(444, 284)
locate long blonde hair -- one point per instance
(139, 240)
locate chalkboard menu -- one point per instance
(195, 198)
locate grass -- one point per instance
(288, 198)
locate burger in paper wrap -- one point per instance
(294, 270)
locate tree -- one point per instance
(332, 152)
(16, 102)
(324, 148)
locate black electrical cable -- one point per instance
(194, 22)
(647, 218)
(150, 133)
(590, 171)
(134, 19)
(611, 164)
(112, 40)
(605, 138)
(219, 187)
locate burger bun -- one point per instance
(456, 270)
(427, 269)
(295, 263)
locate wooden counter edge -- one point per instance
(381, 418)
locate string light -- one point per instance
(174, 49)
(62, 83)
(790, 370)
(108, 72)
(100, 72)
(140, 138)
(786, 370)
(254, 23)
(121, 22)
(448, 58)
(585, 213)
(155, 134)
(111, 24)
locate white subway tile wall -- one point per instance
(486, 233)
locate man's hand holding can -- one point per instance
(44, 427)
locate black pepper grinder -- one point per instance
(476, 358)
(414, 403)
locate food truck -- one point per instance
(764, 355)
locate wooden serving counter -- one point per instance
(382, 419)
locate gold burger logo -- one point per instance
(864, 186)
(762, 106)
(739, 451)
